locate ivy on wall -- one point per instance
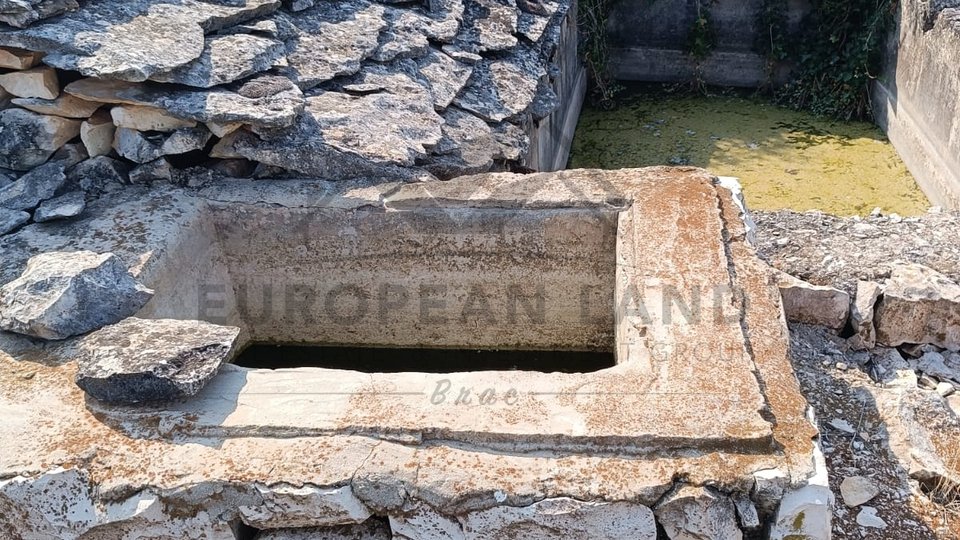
(834, 55)
(595, 50)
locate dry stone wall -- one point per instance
(101, 94)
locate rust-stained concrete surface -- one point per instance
(702, 394)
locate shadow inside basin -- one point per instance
(397, 360)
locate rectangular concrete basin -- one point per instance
(634, 266)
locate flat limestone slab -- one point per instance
(690, 397)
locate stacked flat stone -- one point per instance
(135, 90)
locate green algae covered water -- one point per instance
(783, 158)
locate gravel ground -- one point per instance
(829, 250)
(850, 395)
(834, 251)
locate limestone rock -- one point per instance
(284, 505)
(147, 119)
(857, 490)
(98, 175)
(489, 25)
(445, 76)
(227, 58)
(861, 315)
(39, 82)
(471, 146)
(186, 140)
(22, 13)
(409, 31)
(562, 518)
(69, 155)
(10, 220)
(158, 170)
(137, 146)
(18, 58)
(503, 88)
(813, 304)
(62, 294)
(371, 529)
(945, 389)
(275, 110)
(222, 130)
(132, 40)
(33, 188)
(693, 513)
(65, 206)
(345, 136)
(746, 512)
(533, 25)
(139, 360)
(919, 305)
(97, 133)
(65, 105)
(30, 138)
(916, 441)
(935, 365)
(868, 518)
(329, 39)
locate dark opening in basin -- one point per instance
(387, 360)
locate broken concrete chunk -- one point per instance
(99, 175)
(29, 138)
(132, 40)
(11, 220)
(275, 110)
(65, 206)
(284, 505)
(147, 119)
(695, 512)
(868, 518)
(861, 315)
(97, 133)
(422, 521)
(18, 59)
(139, 360)
(39, 82)
(919, 305)
(563, 518)
(813, 304)
(329, 39)
(62, 294)
(857, 490)
(227, 58)
(33, 188)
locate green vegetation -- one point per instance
(834, 55)
(595, 50)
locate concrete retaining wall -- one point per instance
(915, 99)
(649, 41)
